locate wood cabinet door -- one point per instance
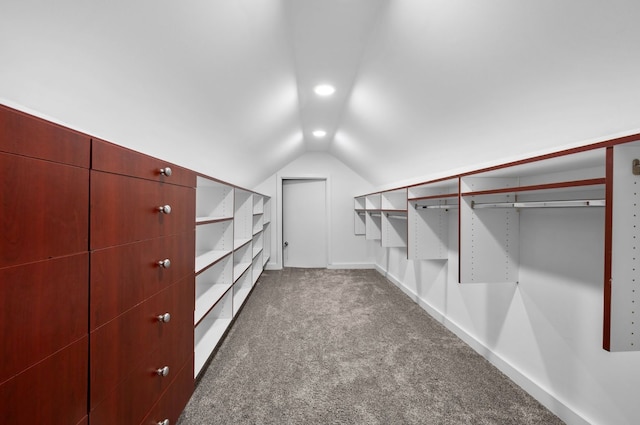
(118, 160)
(27, 135)
(52, 392)
(125, 342)
(124, 275)
(43, 210)
(126, 209)
(41, 309)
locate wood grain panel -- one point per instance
(132, 399)
(122, 344)
(123, 276)
(43, 210)
(172, 402)
(125, 209)
(43, 309)
(27, 135)
(53, 392)
(119, 160)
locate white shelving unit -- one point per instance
(430, 207)
(266, 233)
(393, 218)
(210, 330)
(359, 215)
(241, 291)
(492, 201)
(232, 226)
(373, 219)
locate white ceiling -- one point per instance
(423, 86)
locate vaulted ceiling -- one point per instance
(423, 87)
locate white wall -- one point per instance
(544, 332)
(345, 250)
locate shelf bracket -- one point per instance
(635, 167)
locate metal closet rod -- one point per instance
(375, 214)
(442, 207)
(542, 204)
(398, 216)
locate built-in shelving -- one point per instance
(488, 205)
(430, 208)
(230, 235)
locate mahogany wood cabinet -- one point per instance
(142, 287)
(97, 283)
(44, 271)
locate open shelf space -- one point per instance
(210, 330)
(211, 285)
(213, 241)
(373, 225)
(359, 222)
(242, 258)
(394, 228)
(256, 267)
(241, 290)
(214, 200)
(243, 216)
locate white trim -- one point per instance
(548, 400)
(279, 260)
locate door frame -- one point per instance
(279, 224)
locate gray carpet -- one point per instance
(315, 346)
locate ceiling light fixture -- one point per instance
(319, 133)
(324, 89)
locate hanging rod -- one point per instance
(398, 216)
(442, 207)
(375, 214)
(542, 204)
(361, 213)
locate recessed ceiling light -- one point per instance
(319, 133)
(324, 89)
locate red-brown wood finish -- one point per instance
(132, 399)
(124, 275)
(27, 135)
(125, 209)
(138, 332)
(44, 308)
(546, 186)
(43, 209)
(608, 249)
(52, 392)
(85, 421)
(118, 160)
(173, 401)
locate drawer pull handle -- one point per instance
(165, 264)
(166, 171)
(165, 209)
(163, 371)
(164, 318)
(165, 422)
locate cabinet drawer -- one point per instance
(27, 135)
(125, 342)
(40, 306)
(43, 210)
(53, 391)
(173, 401)
(126, 209)
(124, 275)
(118, 160)
(132, 399)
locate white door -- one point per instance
(304, 223)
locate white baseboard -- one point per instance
(545, 398)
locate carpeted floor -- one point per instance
(316, 346)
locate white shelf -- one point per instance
(241, 290)
(394, 199)
(213, 199)
(205, 219)
(211, 285)
(239, 269)
(373, 202)
(373, 225)
(256, 269)
(394, 229)
(359, 203)
(239, 243)
(203, 259)
(209, 331)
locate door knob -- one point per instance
(286, 244)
